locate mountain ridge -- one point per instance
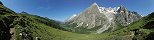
(95, 16)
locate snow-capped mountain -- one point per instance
(100, 19)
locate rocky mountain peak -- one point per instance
(24, 12)
(94, 5)
(122, 9)
(121, 6)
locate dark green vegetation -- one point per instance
(31, 27)
(6, 18)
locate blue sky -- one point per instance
(63, 9)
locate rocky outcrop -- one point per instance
(6, 27)
(125, 17)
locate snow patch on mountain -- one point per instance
(72, 17)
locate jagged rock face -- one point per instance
(125, 17)
(100, 19)
(91, 17)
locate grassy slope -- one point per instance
(40, 30)
(46, 32)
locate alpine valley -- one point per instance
(94, 23)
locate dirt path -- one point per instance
(13, 33)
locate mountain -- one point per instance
(100, 19)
